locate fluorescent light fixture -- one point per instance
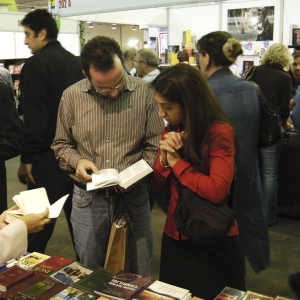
(135, 27)
(88, 22)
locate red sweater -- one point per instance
(212, 183)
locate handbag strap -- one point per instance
(250, 73)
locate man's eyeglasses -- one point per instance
(116, 87)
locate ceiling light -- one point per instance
(32, 8)
(135, 27)
(91, 25)
(88, 22)
(114, 26)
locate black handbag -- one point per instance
(270, 130)
(200, 220)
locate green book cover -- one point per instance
(93, 280)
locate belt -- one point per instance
(109, 192)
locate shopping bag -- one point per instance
(118, 248)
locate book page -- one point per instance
(55, 208)
(35, 201)
(107, 177)
(134, 173)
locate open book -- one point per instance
(126, 178)
(34, 201)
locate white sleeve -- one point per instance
(13, 240)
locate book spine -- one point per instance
(18, 281)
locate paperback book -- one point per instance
(110, 177)
(71, 273)
(162, 290)
(229, 293)
(12, 277)
(124, 286)
(93, 280)
(32, 259)
(34, 201)
(255, 296)
(51, 264)
(72, 293)
(37, 287)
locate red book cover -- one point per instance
(51, 264)
(36, 287)
(13, 276)
(124, 285)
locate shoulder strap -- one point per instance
(250, 73)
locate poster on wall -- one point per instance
(251, 24)
(162, 44)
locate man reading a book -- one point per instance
(108, 120)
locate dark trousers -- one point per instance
(3, 188)
(203, 273)
(47, 173)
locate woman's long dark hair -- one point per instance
(185, 85)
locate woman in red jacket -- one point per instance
(197, 149)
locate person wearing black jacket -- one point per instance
(11, 136)
(44, 77)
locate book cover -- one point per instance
(126, 178)
(124, 285)
(13, 276)
(72, 293)
(229, 293)
(255, 296)
(36, 287)
(93, 280)
(159, 289)
(35, 201)
(29, 261)
(51, 264)
(71, 273)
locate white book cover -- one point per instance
(35, 201)
(110, 177)
(169, 290)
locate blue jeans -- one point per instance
(91, 219)
(270, 160)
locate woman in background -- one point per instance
(276, 85)
(239, 100)
(196, 149)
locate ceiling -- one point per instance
(25, 5)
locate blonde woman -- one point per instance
(276, 85)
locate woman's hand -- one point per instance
(168, 147)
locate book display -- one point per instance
(110, 177)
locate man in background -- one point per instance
(11, 136)
(147, 63)
(295, 72)
(44, 77)
(114, 123)
(129, 55)
(183, 57)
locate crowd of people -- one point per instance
(108, 116)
